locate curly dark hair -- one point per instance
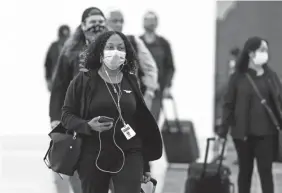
(251, 45)
(95, 51)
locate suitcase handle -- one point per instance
(207, 152)
(154, 182)
(176, 120)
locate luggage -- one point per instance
(209, 177)
(179, 138)
(154, 182)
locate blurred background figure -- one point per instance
(232, 62)
(161, 51)
(54, 52)
(234, 54)
(92, 24)
(147, 71)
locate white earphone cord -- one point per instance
(119, 118)
(118, 95)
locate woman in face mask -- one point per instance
(120, 136)
(252, 126)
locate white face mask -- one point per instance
(260, 58)
(113, 59)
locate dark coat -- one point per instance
(237, 100)
(51, 59)
(78, 97)
(67, 68)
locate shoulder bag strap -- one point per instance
(264, 102)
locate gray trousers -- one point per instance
(64, 185)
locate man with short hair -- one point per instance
(161, 51)
(148, 72)
(54, 52)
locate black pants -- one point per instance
(262, 149)
(128, 180)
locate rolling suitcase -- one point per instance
(209, 177)
(179, 138)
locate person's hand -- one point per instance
(146, 177)
(54, 124)
(220, 139)
(100, 127)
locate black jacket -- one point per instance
(78, 97)
(237, 100)
(66, 69)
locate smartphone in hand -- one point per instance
(104, 119)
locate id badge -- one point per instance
(128, 132)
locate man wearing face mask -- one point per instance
(161, 51)
(54, 52)
(92, 24)
(148, 72)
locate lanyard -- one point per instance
(117, 104)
